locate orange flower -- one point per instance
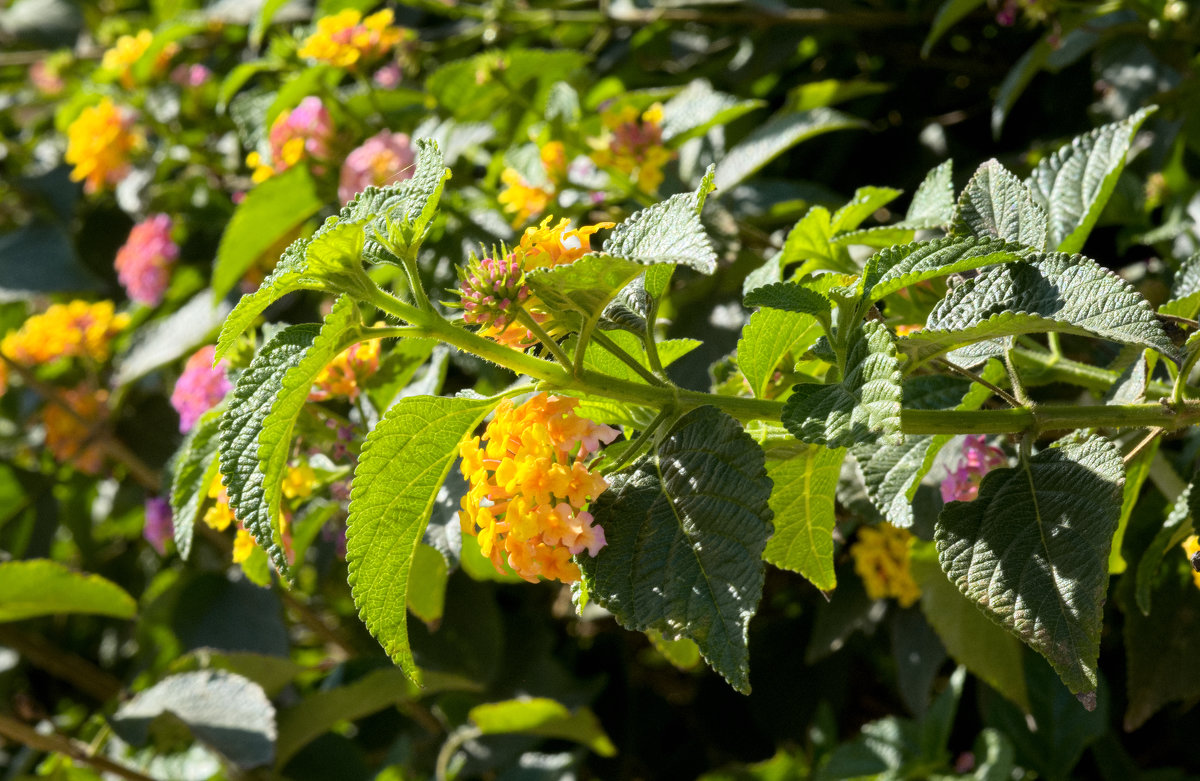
(128, 49)
(529, 485)
(69, 437)
(346, 372)
(99, 143)
(74, 330)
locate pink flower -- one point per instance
(158, 529)
(979, 458)
(193, 75)
(46, 78)
(388, 76)
(200, 388)
(382, 159)
(302, 134)
(144, 262)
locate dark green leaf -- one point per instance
(896, 268)
(1032, 551)
(1185, 290)
(774, 137)
(195, 469)
(40, 587)
(1018, 78)
(1178, 526)
(996, 203)
(688, 523)
(948, 14)
(39, 259)
(668, 232)
(932, 204)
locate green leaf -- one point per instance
(896, 268)
(688, 523)
(767, 337)
(990, 653)
(585, 286)
(256, 392)
(996, 203)
(932, 204)
(668, 232)
(1178, 526)
(1185, 290)
(39, 258)
(271, 211)
(880, 237)
(402, 466)
(774, 137)
(1051, 292)
(160, 342)
(227, 712)
(330, 261)
(866, 201)
(863, 406)
(1137, 471)
(544, 717)
(600, 359)
(810, 240)
(40, 587)
(790, 297)
(949, 13)
(697, 108)
(401, 211)
(562, 103)
(802, 501)
(321, 711)
(195, 469)
(1032, 551)
(830, 92)
(427, 584)
(1074, 184)
(471, 89)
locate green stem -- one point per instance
(453, 743)
(546, 339)
(1185, 371)
(642, 442)
(650, 339)
(585, 335)
(1047, 368)
(608, 344)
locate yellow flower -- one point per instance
(344, 375)
(881, 559)
(128, 49)
(299, 482)
(524, 200)
(346, 39)
(220, 514)
(243, 545)
(71, 435)
(1191, 546)
(529, 485)
(99, 143)
(633, 145)
(74, 330)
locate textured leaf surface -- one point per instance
(544, 717)
(996, 203)
(896, 268)
(1185, 290)
(774, 137)
(668, 232)
(809, 240)
(932, 204)
(865, 202)
(585, 286)
(1054, 292)
(790, 298)
(699, 107)
(275, 436)
(1032, 551)
(1074, 184)
(229, 713)
(194, 471)
(252, 399)
(768, 336)
(970, 637)
(686, 529)
(803, 501)
(403, 464)
(270, 212)
(601, 360)
(40, 587)
(863, 406)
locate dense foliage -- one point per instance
(506, 391)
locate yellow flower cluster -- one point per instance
(128, 49)
(99, 143)
(346, 38)
(881, 559)
(524, 200)
(344, 375)
(1191, 546)
(633, 145)
(71, 434)
(529, 485)
(74, 330)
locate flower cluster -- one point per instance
(302, 133)
(120, 59)
(74, 330)
(979, 458)
(200, 388)
(881, 559)
(71, 434)
(1191, 546)
(524, 199)
(99, 143)
(346, 39)
(158, 529)
(529, 485)
(383, 158)
(344, 375)
(493, 290)
(633, 145)
(144, 262)
(219, 514)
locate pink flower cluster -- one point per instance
(158, 529)
(303, 133)
(200, 388)
(383, 158)
(979, 458)
(144, 262)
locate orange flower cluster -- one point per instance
(128, 49)
(99, 143)
(881, 559)
(74, 330)
(529, 485)
(69, 436)
(344, 374)
(346, 38)
(523, 199)
(633, 145)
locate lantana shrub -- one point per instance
(428, 371)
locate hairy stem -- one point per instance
(608, 344)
